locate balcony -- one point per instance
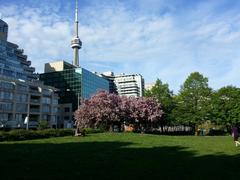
(36, 101)
(22, 56)
(53, 122)
(29, 69)
(34, 90)
(47, 93)
(23, 61)
(34, 110)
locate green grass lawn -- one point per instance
(121, 156)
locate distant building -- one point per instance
(149, 86)
(3, 30)
(21, 94)
(130, 85)
(127, 85)
(74, 83)
(110, 77)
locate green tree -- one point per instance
(193, 100)
(43, 125)
(161, 92)
(226, 106)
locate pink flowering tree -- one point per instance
(103, 110)
(108, 110)
(145, 112)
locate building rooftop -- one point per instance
(3, 30)
(57, 66)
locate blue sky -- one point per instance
(166, 39)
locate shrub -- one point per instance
(92, 130)
(43, 125)
(20, 134)
(217, 132)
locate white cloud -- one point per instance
(43, 37)
(166, 46)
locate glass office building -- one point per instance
(73, 82)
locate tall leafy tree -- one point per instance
(226, 106)
(161, 92)
(193, 100)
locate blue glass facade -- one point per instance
(75, 83)
(9, 64)
(92, 83)
(13, 63)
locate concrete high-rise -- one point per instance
(125, 84)
(13, 61)
(76, 43)
(130, 84)
(3, 30)
(21, 94)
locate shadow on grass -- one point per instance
(111, 160)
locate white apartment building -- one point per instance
(125, 85)
(129, 85)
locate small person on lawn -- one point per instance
(235, 135)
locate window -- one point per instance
(21, 97)
(55, 101)
(5, 28)
(6, 106)
(3, 117)
(6, 85)
(10, 117)
(19, 117)
(55, 109)
(44, 117)
(46, 100)
(54, 119)
(66, 109)
(46, 109)
(66, 118)
(6, 95)
(47, 92)
(8, 73)
(21, 107)
(21, 87)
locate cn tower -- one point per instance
(76, 43)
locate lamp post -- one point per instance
(26, 121)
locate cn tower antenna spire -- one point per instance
(76, 19)
(76, 42)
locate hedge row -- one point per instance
(217, 132)
(92, 131)
(21, 134)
